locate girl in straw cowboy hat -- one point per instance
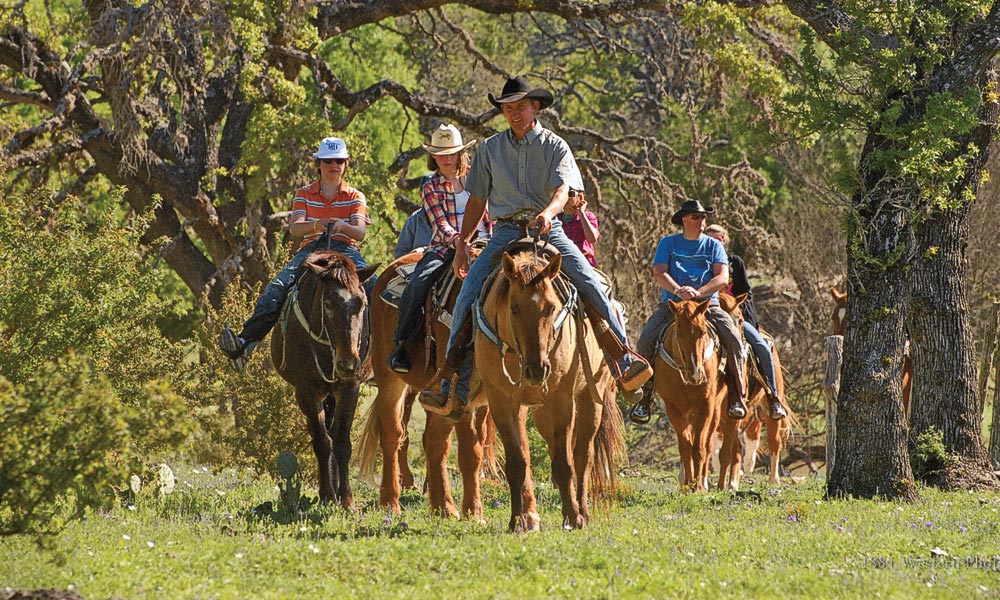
(444, 200)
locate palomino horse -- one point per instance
(526, 326)
(385, 425)
(839, 320)
(688, 377)
(315, 348)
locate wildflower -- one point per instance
(150, 544)
(126, 537)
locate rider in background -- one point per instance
(581, 225)
(416, 233)
(444, 200)
(692, 266)
(328, 201)
(740, 284)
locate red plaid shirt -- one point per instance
(439, 204)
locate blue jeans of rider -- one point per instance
(762, 352)
(414, 296)
(268, 307)
(574, 265)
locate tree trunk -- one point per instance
(945, 395)
(871, 458)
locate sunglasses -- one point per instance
(330, 161)
(697, 217)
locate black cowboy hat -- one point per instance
(689, 207)
(518, 88)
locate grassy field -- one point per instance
(765, 542)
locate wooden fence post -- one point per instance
(991, 351)
(831, 383)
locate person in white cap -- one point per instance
(444, 199)
(327, 202)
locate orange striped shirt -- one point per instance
(345, 205)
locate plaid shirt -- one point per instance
(439, 204)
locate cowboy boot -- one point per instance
(737, 394)
(638, 372)
(776, 410)
(399, 360)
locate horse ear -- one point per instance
(674, 306)
(366, 273)
(552, 269)
(741, 299)
(837, 295)
(508, 266)
(702, 307)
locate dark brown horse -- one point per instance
(532, 352)
(839, 320)
(385, 424)
(315, 347)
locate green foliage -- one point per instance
(85, 371)
(928, 454)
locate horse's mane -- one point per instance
(332, 267)
(527, 266)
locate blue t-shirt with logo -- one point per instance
(689, 262)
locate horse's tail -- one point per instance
(609, 449)
(492, 467)
(368, 447)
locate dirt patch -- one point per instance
(41, 595)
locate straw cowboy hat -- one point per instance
(447, 139)
(518, 88)
(688, 208)
(332, 147)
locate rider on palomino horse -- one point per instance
(525, 174)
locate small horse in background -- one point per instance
(526, 326)
(385, 424)
(315, 347)
(688, 377)
(750, 428)
(839, 320)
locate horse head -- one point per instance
(532, 303)
(839, 317)
(333, 300)
(690, 343)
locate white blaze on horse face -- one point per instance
(841, 315)
(536, 297)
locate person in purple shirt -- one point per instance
(580, 225)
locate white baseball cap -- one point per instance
(332, 147)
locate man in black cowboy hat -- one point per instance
(692, 266)
(505, 172)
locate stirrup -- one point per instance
(776, 411)
(737, 410)
(636, 375)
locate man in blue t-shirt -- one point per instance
(692, 266)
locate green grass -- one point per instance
(653, 543)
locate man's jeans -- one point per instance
(574, 265)
(662, 317)
(414, 297)
(762, 352)
(268, 308)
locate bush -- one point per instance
(84, 370)
(929, 454)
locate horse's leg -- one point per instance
(389, 406)
(587, 422)
(530, 515)
(729, 455)
(470, 460)
(555, 423)
(405, 475)
(703, 429)
(683, 430)
(437, 446)
(347, 403)
(311, 404)
(507, 419)
(777, 433)
(752, 433)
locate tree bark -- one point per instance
(871, 456)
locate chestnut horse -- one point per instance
(385, 425)
(533, 353)
(688, 378)
(839, 320)
(315, 347)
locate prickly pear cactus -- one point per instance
(165, 475)
(287, 464)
